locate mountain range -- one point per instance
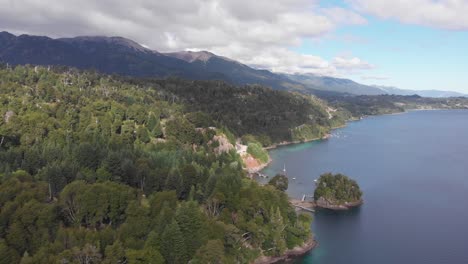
(117, 55)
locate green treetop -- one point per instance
(337, 188)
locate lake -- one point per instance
(413, 170)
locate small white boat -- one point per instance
(293, 178)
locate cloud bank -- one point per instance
(442, 14)
(259, 33)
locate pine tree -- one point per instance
(115, 254)
(164, 218)
(152, 121)
(211, 253)
(7, 254)
(144, 256)
(174, 182)
(153, 240)
(189, 219)
(173, 245)
(142, 134)
(277, 228)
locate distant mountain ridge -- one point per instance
(424, 93)
(335, 84)
(192, 56)
(117, 55)
(108, 55)
(120, 41)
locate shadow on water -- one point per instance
(338, 215)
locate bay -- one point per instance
(413, 170)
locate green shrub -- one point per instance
(256, 150)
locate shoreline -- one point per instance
(326, 136)
(311, 206)
(257, 169)
(290, 254)
(286, 143)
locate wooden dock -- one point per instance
(302, 204)
(305, 209)
(305, 196)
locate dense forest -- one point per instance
(97, 169)
(337, 189)
(271, 115)
(107, 169)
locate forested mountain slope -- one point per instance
(117, 55)
(270, 114)
(110, 171)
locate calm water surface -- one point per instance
(413, 170)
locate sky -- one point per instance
(409, 44)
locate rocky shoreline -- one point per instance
(285, 143)
(323, 203)
(260, 167)
(312, 205)
(290, 254)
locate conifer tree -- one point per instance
(115, 254)
(173, 247)
(189, 219)
(277, 227)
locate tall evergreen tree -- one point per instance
(190, 220)
(211, 253)
(277, 227)
(173, 246)
(115, 254)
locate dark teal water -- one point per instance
(413, 170)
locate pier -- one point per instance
(303, 204)
(305, 208)
(306, 196)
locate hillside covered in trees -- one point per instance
(107, 169)
(96, 169)
(365, 105)
(270, 115)
(337, 192)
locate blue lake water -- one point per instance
(413, 170)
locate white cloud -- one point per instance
(351, 64)
(443, 14)
(340, 15)
(374, 77)
(284, 60)
(260, 32)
